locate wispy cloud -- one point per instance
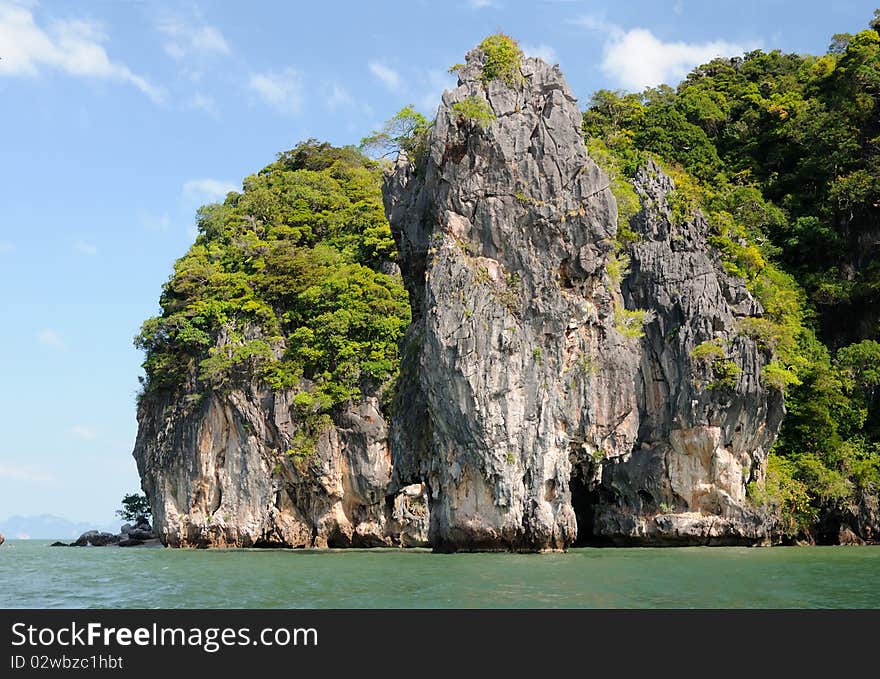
(6, 247)
(636, 58)
(282, 90)
(480, 4)
(386, 75)
(84, 432)
(23, 472)
(50, 339)
(596, 23)
(541, 51)
(71, 46)
(185, 40)
(208, 189)
(84, 248)
(336, 96)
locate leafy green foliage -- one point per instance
(711, 357)
(708, 352)
(407, 131)
(304, 444)
(135, 508)
(630, 322)
(502, 59)
(284, 283)
(803, 131)
(620, 171)
(617, 266)
(783, 496)
(726, 373)
(858, 368)
(778, 377)
(474, 110)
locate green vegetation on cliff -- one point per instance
(782, 154)
(502, 59)
(286, 282)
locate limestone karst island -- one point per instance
(532, 323)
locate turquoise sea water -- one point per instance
(33, 575)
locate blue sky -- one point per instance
(119, 118)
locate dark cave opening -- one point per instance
(583, 502)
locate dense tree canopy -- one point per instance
(286, 280)
(135, 508)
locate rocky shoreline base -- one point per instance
(139, 535)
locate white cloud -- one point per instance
(185, 40)
(542, 51)
(84, 432)
(282, 90)
(50, 339)
(208, 190)
(636, 58)
(24, 472)
(639, 59)
(480, 4)
(6, 247)
(595, 23)
(71, 46)
(388, 76)
(83, 248)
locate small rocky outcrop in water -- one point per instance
(2, 539)
(128, 536)
(534, 405)
(140, 531)
(95, 538)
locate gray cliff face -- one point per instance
(700, 440)
(218, 475)
(525, 406)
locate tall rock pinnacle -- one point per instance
(532, 400)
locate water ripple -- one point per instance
(33, 575)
